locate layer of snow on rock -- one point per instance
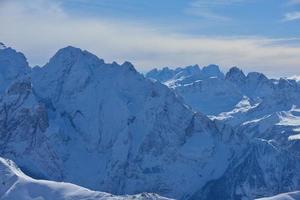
(291, 117)
(294, 137)
(296, 78)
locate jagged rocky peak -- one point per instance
(129, 66)
(185, 75)
(192, 69)
(152, 71)
(13, 65)
(189, 71)
(256, 76)
(10, 60)
(72, 69)
(235, 74)
(71, 55)
(69, 70)
(212, 70)
(2, 46)
(284, 83)
(162, 75)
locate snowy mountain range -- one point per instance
(193, 134)
(254, 105)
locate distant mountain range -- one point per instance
(187, 133)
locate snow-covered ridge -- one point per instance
(285, 196)
(296, 78)
(185, 75)
(15, 185)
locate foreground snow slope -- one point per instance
(15, 185)
(285, 196)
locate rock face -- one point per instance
(12, 66)
(16, 185)
(108, 128)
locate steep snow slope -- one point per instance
(15, 185)
(284, 196)
(12, 65)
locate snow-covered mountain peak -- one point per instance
(161, 75)
(235, 74)
(256, 76)
(185, 75)
(13, 65)
(71, 55)
(284, 83)
(129, 66)
(191, 69)
(212, 71)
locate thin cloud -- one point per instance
(206, 14)
(208, 3)
(293, 2)
(40, 34)
(292, 16)
(206, 8)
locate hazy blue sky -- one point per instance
(275, 18)
(259, 35)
